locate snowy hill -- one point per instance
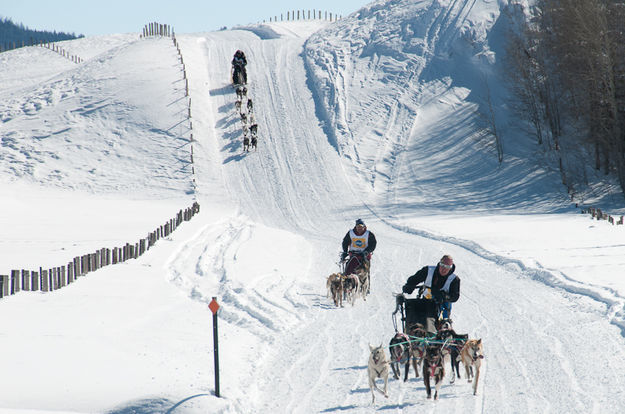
(378, 116)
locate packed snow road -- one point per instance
(302, 354)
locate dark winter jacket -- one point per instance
(371, 242)
(438, 282)
(239, 61)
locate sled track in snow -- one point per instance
(558, 280)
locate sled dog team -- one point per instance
(427, 349)
(349, 287)
(249, 126)
(239, 81)
(431, 355)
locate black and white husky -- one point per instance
(241, 92)
(400, 353)
(246, 142)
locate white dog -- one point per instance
(378, 368)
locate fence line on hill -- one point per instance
(186, 94)
(61, 51)
(600, 215)
(51, 279)
(293, 15)
(164, 30)
(157, 29)
(48, 45)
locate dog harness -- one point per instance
(359, 243)
(427, 293)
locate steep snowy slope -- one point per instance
(423, 132)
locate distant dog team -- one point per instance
(247, 119)
(341, 287)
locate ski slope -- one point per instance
(355, 121)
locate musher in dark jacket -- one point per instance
(239, 73)
(440, 283)
(358, 241)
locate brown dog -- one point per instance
(471, 356)
(329, 283)
(335, 288)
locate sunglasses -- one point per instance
(445, 266)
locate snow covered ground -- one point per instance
(377, 117)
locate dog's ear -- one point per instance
(371, 348)
(479, 341)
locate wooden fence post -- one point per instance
(70, 273)
(15, 281)
(54, 283)
(4, 285)
(44, 281)
(25, 280)
(34, 281)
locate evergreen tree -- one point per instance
(17, 35)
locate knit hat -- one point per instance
(359, 221)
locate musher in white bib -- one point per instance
(440, 284)
(358, 241)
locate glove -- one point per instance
(343, 255)
(407, 289)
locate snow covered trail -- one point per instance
(530, 333)
(289, 146)
(302, 353)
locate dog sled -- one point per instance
(423, 311)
